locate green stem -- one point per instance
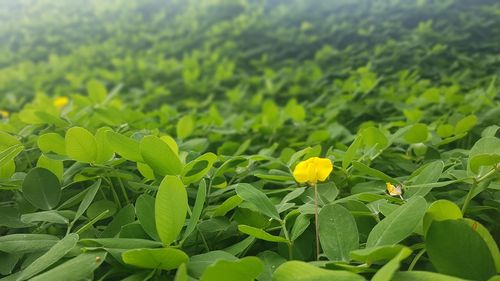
(415, 259)
(90, 223)
(290, 243)
(203, 240)
(487, 174)
(468, 198)
(113, 191)
(473, 187)
(316, 219)
(124, 191)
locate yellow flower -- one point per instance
(5, 114)
(313, 170)
(394, 190)
(61, 102)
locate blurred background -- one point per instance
(187, 52)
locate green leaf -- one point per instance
(488, 239)
(417, 133)
(170, 209)
(6, 140)
(160, 157)
(197, 209)
(126, 147)
(301, 271)
(226, 206)
(120, 243)
(390, 268)
(399, 224)
(429, 173)
(480, 160)
(146, 171)
(301, 223)
(163, 258)
(87, 200)
(350, 154)
(145, 211)
(295, 111)
(58, 251)
(455, 248)
(55, 166)
(42, 188)
(96, 91)
(445, 130)
(9, 154)
(374, 137)
(124, 216)
(8, 169)
(100, 206)
(26, 243)
(199, 263)
(7, 264)
(245, 269)
(441, 210)
(185, 127)
(171, 142)
(104, 150)
(251, 194)
(379, 253)
(45, 216)
(373, 172)
(81, 145)
(76, 268)
(240, 247)
(181, 274)
(271, 262)
(198, 168)
(465, 124)
(52, 142)
(260, 234)
(423, 276)
(338, 232)
(487, 146)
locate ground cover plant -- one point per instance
(249, 140)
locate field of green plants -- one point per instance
(239, 140)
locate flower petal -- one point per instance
(300, 173)
(323, 168)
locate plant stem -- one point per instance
(290, 243)
(124, 191)
(316, 218)
(468, 198)
(415, 259)
(473, 187)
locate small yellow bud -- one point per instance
(394, 190)
(61, 102)
(5, 114)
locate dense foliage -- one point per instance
(156, 140)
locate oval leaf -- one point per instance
(251, 194)
(338, 232)
(81, 145)
(164, 258)
(261, 234)
(170, 209)
(42, 188)
(301, 271)
(76, 268)
(399, 224)
(454, 248)
(245, 269)
(160, 157)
